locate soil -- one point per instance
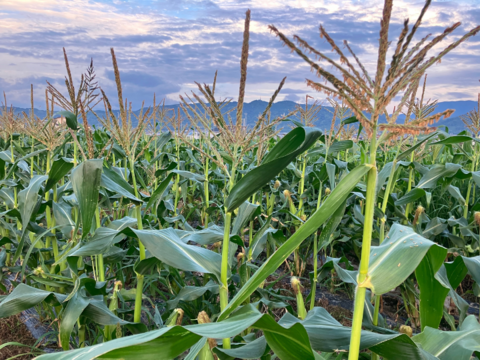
(12, 329)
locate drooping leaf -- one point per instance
(455, 192)
(7, 195)
(402, 250)
(411, 196)
(446, 345)
(166, 246)
(190, 293)
(104, 238)
(70, 118)
(434, 227)
(24, 297)
(438, 171)
(455, 139)
(114, 182)
(189, 175)
(252, 350)
(327, 335)
(59, 169)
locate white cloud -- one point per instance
(185, 41)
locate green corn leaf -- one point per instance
(63, 217)
(59, 169)
(327, 335)
(207, 236)
(75, 307)
(71, 119)
(434, 227)
(86, 179)
(350, 120)
(252, 350)
(290, 339)
(167, 246)
(338, 146)
(114, 182)
(411, 196)
(24, 297)
(450, 278)
(189, 175)
(190, 293)
(159, 191)
(432, 292)
(19, 162)
(455, 139)
(402, 250)
(145, 266)
(104, 238)
(92, 308)
(455, 192)
(284, 152)
(7, 195)
(27, 202)
(406, 153)
(438, 171)
(330, 205)
(446, 345)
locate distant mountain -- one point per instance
(255, 108)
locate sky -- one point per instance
(165, 46)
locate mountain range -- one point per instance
(255, 108)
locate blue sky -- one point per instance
(164, 46)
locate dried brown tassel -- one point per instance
(69, 81)
(88, 133)
(119, 84)
(243, 69)
(382, 50)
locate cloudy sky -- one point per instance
(164, 46)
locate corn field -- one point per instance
(186, 235)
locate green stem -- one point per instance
(250, 236)
(50, 219)
(365, 256)
(302, 186)
(101, 269)
(138, 211)
(388, 189)
(206, 191)
(470, 183)
(315, 255)
(15, 200)
(177, 180)
(224, 270)
(31, 160)
(409, 188)
(74, 153)
(81, 334)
